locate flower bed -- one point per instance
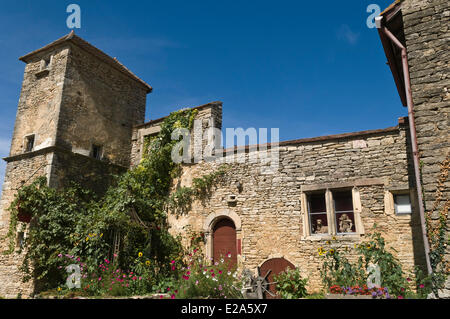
(381, 292)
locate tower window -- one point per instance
(96, 151)
(29, 143)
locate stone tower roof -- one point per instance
(76, 40)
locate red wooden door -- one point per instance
(275, 265)
(224, 241)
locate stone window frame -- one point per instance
(389, 201)
(45, 66)
(26, 139)
(331, 215)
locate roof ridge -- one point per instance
(83, 44)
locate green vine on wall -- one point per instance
(437, 230)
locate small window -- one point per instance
(318, 214)
(20, 240)
(46, 62)
(402, 203)
(343, 208)
(29, 143)
(96, 151)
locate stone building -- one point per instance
(81, 117)
(423, 29)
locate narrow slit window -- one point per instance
(402, 203)
(46, 62)
(318, 214)
(29, 143)
(96, 151)
(343, 208)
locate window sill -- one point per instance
(42, 73)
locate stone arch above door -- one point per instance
(214, 217)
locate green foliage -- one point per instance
(72, 221)
(437, 229)
(200, 279)
(392, 275)
(290, 284)
(337, 270)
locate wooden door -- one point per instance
(275, 266)
(224, 241)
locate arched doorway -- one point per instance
(275, 266)
(224, 240)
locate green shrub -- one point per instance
(290, 284)
(201, 279)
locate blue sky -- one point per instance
(309, 68)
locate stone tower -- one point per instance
(74, 122)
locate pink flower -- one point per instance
(196, 282)
(400, 297)
(107, 261)
(60, 255)
(220, 287)
(140, 278)
(188, 273)
(220, 272)
(172, 297)
(422, 286)
(173, 267)
(99, 278)
(172, 262)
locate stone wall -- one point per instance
(89, 172)
(40, 98)
(270, 210)
(427, 33)
(21, 171)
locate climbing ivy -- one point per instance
(437, 230)
(76, 222)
